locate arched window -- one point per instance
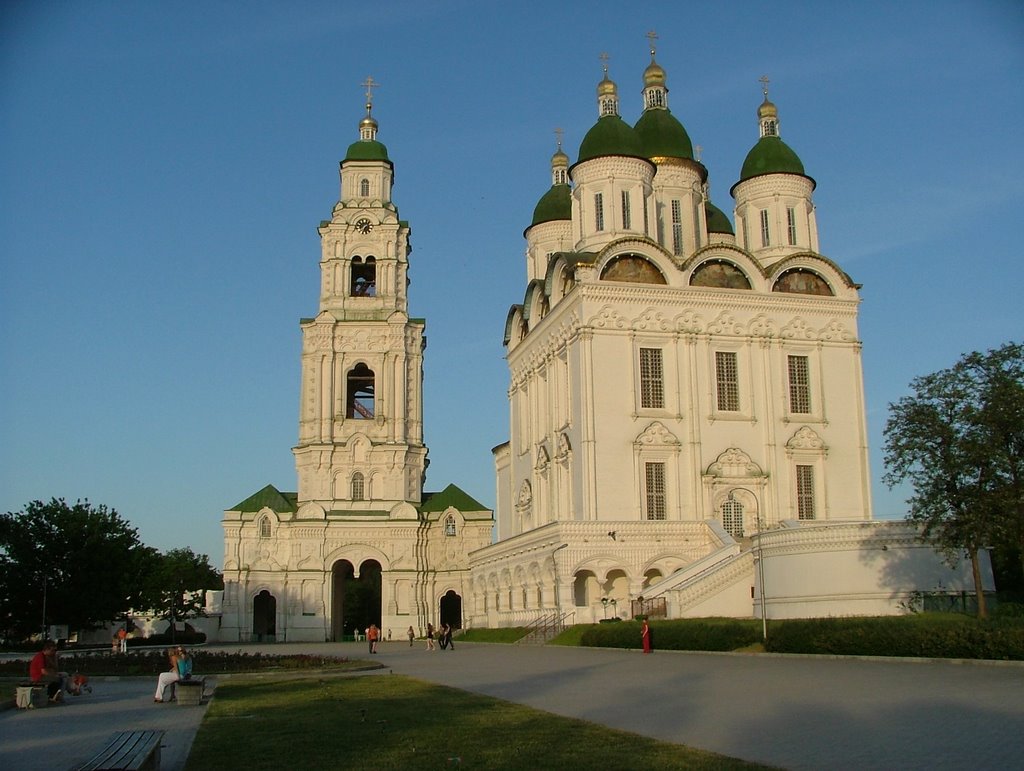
(364, 188)
(265, 527)
(449, 526)
(359, 393)
(732, 518)
(364, 277)
(357, 487)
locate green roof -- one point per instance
(717, 221)
(770, 156)
(450, 496)
(555, 204)
(611, 135)
(663, 136)
(367, 150)
(268, 498)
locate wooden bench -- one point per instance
(128, 751)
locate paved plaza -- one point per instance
(793, 712)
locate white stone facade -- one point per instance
(682, 400)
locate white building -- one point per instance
(360, 542)
(687, 417)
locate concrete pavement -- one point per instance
(60, 737)
(791, 712)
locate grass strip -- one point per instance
(392, 721)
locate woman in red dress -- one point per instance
(645, 636)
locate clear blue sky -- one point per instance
(163, 168)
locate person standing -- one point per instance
(430, 637)
(412, 636)
(645, 635)
(122, 639)
(448, 631)
(372, 635)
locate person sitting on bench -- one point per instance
(42, 670)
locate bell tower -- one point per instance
(360, 442)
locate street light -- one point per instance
(615, 612)
(604, 602)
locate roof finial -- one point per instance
(764, 85)
(604, 62)
(652, 36)
(370, 84)
(558, 136)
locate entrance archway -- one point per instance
(355, 602)
(451, 609)
(264, 616)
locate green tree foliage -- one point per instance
(85, 560)
(959, 440)
(176, 584)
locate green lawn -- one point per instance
(391, 721)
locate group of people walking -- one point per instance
(444, 637)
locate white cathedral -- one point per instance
(687, 419)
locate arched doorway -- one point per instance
(451, 609)
(264, 617)
(355, 602)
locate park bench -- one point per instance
(127, 751)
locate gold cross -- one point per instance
(558, 133)
(604, 62)
(764, 85)
(370, 84)
(652, 36)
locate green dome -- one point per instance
(367, 150)
(611, 135)
(716, 219)
(771, 156)
(662, 135)
(555, 204)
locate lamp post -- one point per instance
(604, 602)
(760, 581)
(615, 611)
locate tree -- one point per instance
(958, 440)
(83, 562)
(177, 582)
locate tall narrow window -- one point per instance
(799, 385)
(626, 218)
(766, 238)
(265, 527)
(364, 277)
(677, 227)
(449, 526)
(357, 487)
(655, 489)
(364, 188)
(805, 492)
(727, 381)
(359, 393)
(598, 211)
(791, 225)
(652, 388)
(732, 518)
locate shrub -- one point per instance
(922, 635)
(692, 634)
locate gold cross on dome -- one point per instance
(604, 62)
(652, 36)
(763, 80)
(370, 84)
(558, 135)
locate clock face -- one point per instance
(364, 225)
